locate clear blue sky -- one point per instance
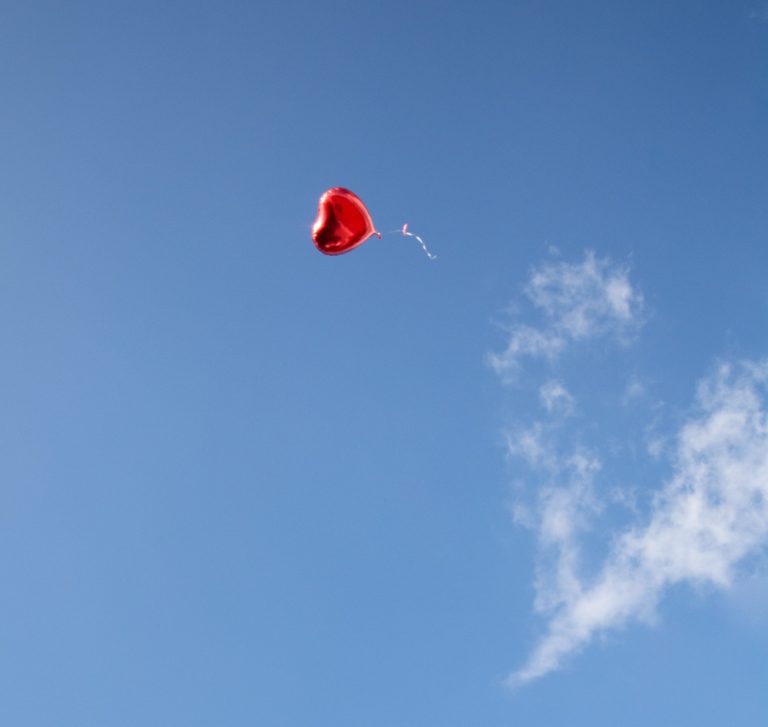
(242, 483)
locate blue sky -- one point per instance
(243, 483)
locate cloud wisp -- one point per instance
(576, 302)
(710, 515)
(697, 524)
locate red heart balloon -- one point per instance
(342, 223)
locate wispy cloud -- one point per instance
(576, 302)
(555, 398)
(710, 515)
(633, 391)
(695, 526)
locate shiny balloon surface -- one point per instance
(343, 222)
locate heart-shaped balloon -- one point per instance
(342, 223)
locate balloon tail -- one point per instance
(419, 240)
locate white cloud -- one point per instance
(565, 511)
(710, 515)
(532, 445)
(701, 524)
(633, 391)
(555, 398)
(576, 302)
